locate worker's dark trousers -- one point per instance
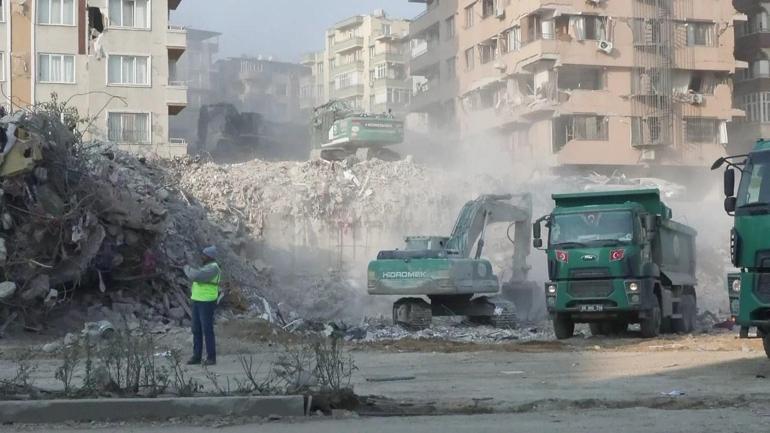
(203, 328)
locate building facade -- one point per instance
(364, 62)
(752, 84)
(597, 83)
(110, 59)
(195, 69)
(253, 84)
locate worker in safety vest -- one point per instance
(205, 294)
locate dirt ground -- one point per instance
(706, 382)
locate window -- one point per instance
(2, 11)
(469, 59)
(371, 51)
(511, 40)
(487, 8)
(2, 66)
(386, 29)
(449, 24)
(398, 96)
(575, 78)
(129, 70)
(56, 68)
(130, 13)
(590, 128)
(451, 68)
(588, 27)
(647, 131)
(469, 17)
(756, 106)
(56, 12)
(380, 71)
(758, 23)
(759, 69)
(647, 31)
(487, 51)
(700, 34)
(700, 130)
(128, 128)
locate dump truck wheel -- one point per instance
(563, 326)
(766, 344)
(689, 311)
(651, 324)
(412, 313)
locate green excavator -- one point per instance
(450, 271)
(338, 131)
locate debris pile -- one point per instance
(374, 331)
(82, 222)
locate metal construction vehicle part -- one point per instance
(449, 272)
(338, 131)
(749, 244)
(617, 257)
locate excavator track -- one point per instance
(502, 313)
(412, 313)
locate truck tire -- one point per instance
(766, 343)
(650, 325)
(563, 326)
(689, 311)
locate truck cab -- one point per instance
(616, 258)
(749, 243)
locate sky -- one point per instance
(284, 29)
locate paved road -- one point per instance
(731, 420)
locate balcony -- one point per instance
(176, 41)
(391, 82)
(349, 22)
(176, 97)
(388, 57)
(349, 44)
(349, 67)
(431, 16)
(349, 91)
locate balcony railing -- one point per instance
(354, 42)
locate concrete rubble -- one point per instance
(102, 228)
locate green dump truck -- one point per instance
(615, 258)
(749, 241)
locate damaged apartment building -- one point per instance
(110, 59)
(364, 62)
(582, 84)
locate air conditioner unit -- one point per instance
(500, 13)
(698, 99)
(605, 46)
(648, 155)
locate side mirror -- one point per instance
(729, 181)
(537, 243)
(730, 204)
(650, 221)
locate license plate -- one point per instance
(591, 308)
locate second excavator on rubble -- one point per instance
(338, 130)
(450, 271)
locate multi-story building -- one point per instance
(752, 84)
(195, 69)
(312, 90)
(598, 83)
(270, 88)
(365, 62)
(434, 48)
(110, 59)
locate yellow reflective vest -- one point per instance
(209, 291)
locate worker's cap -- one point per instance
(210, 252)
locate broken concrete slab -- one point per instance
(7, 289)
(57, 411)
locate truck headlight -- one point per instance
(736, 285)
(634, 287)
(552, 289)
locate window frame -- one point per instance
(3, 5)
(2, 66)
(711, 36)
(133, 112)
(121, 84)
(712, 134)
(112, 24)
(451, 31)
(62, 55)
(470, 16)
(62, 23)
(470, 62)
